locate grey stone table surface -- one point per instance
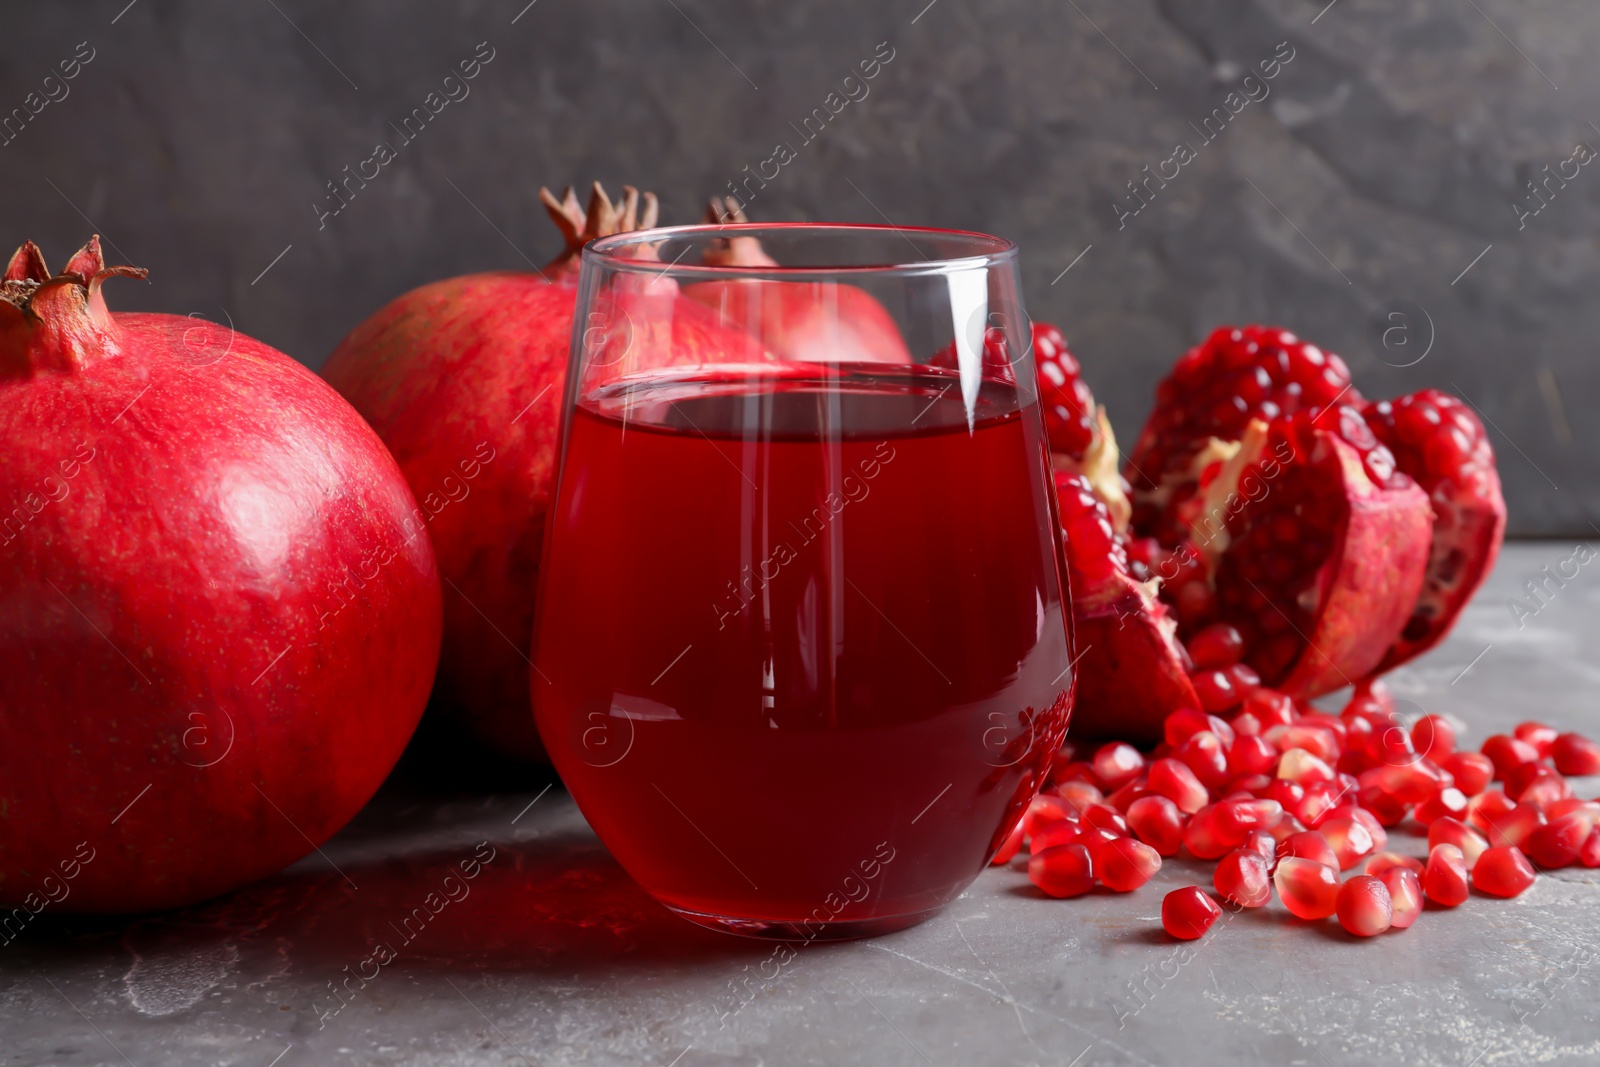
(555, 957)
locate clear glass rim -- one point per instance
(610, 252)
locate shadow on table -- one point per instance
(559, 904)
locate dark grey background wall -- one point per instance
(1378, 176)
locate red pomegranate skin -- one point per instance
(219, 618)
(807, 321)
(464, 380)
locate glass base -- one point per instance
(779, 930)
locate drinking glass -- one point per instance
(803, 646)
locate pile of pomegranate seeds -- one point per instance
(1285, 798)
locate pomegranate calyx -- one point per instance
(56, 323)
(27, 265)
(602, 218)
(27, 276)
(733, 251)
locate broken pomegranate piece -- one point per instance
(1212, 393)
(1131, 669)
(1437, 440)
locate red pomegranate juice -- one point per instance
(802, 655)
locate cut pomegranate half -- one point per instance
(1439, 442)
(1316, 547)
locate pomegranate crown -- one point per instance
(56, 323)
(27, 275)
(733, 251)
(602, 218)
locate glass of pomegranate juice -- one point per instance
(803, 649)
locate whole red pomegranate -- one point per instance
(803, 321)
(464, 380)
(218, 618)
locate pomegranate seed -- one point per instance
(1118, 764)
(1433, 736)
(1123, 798)
(1124, 865)
(1502, 872)
(1196, 603)
(1536, 734)
(1308, 845)
(1589, 854)
(1350, 840)
(1186, 722)
(1514, 826)
(1079, 794)
(1380, 836)
(1245, 679)
(1446, 802)
(1287, 793)
(1010, 847)
(1063, 871)
(1252, 755)
(1320, 800)
(1176, 782)
(1216, 690)
(1485, 807)
(1310, 890)
(1204, 755)
(1245, 724)
(1211, 835)
(1262, 842)
(1410, 784)
(1056, 833)
(1065, 757)
(1286, 827)
(1391, 746)
(1590, 809)
(1044, 810)
(1242, 877)
(1364, 906)
(1269, 707)
(1157, 822)
(1371, 698)
(1301, 767)
(1575, 754)
(1076, 771)
(1405, 896)
(1545, 791)
(1384, 861)
(1448, 831)
(1472, 771)
(1106, 818)
(1557, 843)
(1332, 724)
(1188, 913)
(1218, 645)
(1527, 780)
(1444, 880)
(1255, 785)
(1314, 740)
(1384, 808)
(1506, 752)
